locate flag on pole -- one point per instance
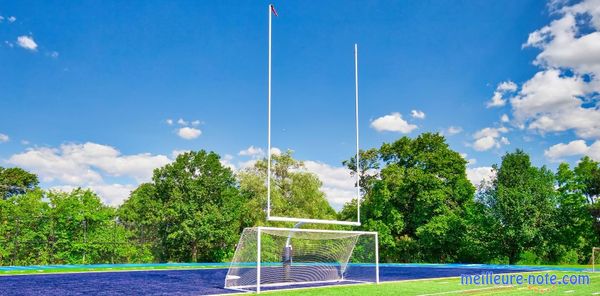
(273, 10)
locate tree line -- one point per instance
(415, 194)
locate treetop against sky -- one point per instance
(99, 93)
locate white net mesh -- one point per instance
(301, 257)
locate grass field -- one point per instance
(450, 286)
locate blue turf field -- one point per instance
(197, 281)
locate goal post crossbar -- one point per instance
(314, 221)
(317, 230)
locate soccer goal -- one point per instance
(268, 257)
(595, 259)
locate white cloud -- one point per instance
(489, 138)
(392, 123)
(75, 164)
(502, 90)
(417, 114)
(176, 153)
(1, 18)
(480, 174)
(275, 151)
(180, 121)
(196, 123)
(189, 133)
(227, 161)
(562, 96)
(169, 121)
(574, 148)
(53, 54)
(504, 118)
(4, 138)
(27, 42)
(111, 194)
(252, 152)
(87, 165)
(453, 130)
(338, 184)
(11, 19)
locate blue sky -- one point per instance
(87, 89)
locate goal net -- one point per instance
(268, 257)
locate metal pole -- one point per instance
(269, 125)
(376, 258)
(357, 144)
(258, 259)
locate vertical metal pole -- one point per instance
(594, 259)
(376, 258)
(269, 126)
(357, 144)
(258, 259)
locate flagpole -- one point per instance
(269, 125)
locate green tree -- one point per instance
(200, 208)
(417, 203)
(294, 191)
(141, 214)
(15, 181)
(573, 235)
(522, 200)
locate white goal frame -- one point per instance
(594, 250)
(259, 231)
(358, 198)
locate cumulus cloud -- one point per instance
(4, 138)
(502, 90)
(112, 194)
(275, 151)
(392, 123)
(87, 165)
(252, 152)
(189, 133)
(479, 175)
(11, 19)
(504, 118)
(417, 114)
(79, 163)
(453, 130)
(27, 42)
(169, 121)
(180, 121)
(338, 184)
(562, 96)
(574, 148)
(489, 138)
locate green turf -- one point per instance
(449, 286)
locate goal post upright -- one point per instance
(269, 123)
(270, 217)
(594, 250)
(258, 259)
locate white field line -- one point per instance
(467, 290)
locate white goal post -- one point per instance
(595, 259)
(275, 217)
(269, 257)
